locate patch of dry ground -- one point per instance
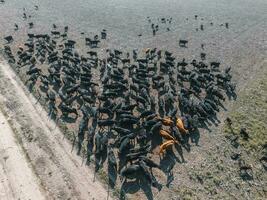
(210, 172)
(17, 179)
(60, 173)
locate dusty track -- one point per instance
(59, 173)
(14, 183)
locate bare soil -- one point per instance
(45, 154)
(14, 183)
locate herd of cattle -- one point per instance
(128, 105)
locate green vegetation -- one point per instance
(103, 175)
(186, 193)
(250, 112)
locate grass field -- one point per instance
(250, 112)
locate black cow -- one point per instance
(183, 43)
(9, 39)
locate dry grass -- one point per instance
(250, 112)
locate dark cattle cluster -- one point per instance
(196, 17)
(165, 22)
(141, 103)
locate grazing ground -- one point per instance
(209, 171)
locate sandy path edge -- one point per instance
(16, 177)
(60, 172)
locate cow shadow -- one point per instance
(168, 161)
(43, 89)
(204, 126)
(112, 176)
(179, 149)
(134, 186)
(156, 140)
(130, 187)
(231, 95)
(146, 187)
(195, 136)
(53, 116)
(68, 119)
(222, 106)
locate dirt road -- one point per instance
(15, 184)
(50, 170)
